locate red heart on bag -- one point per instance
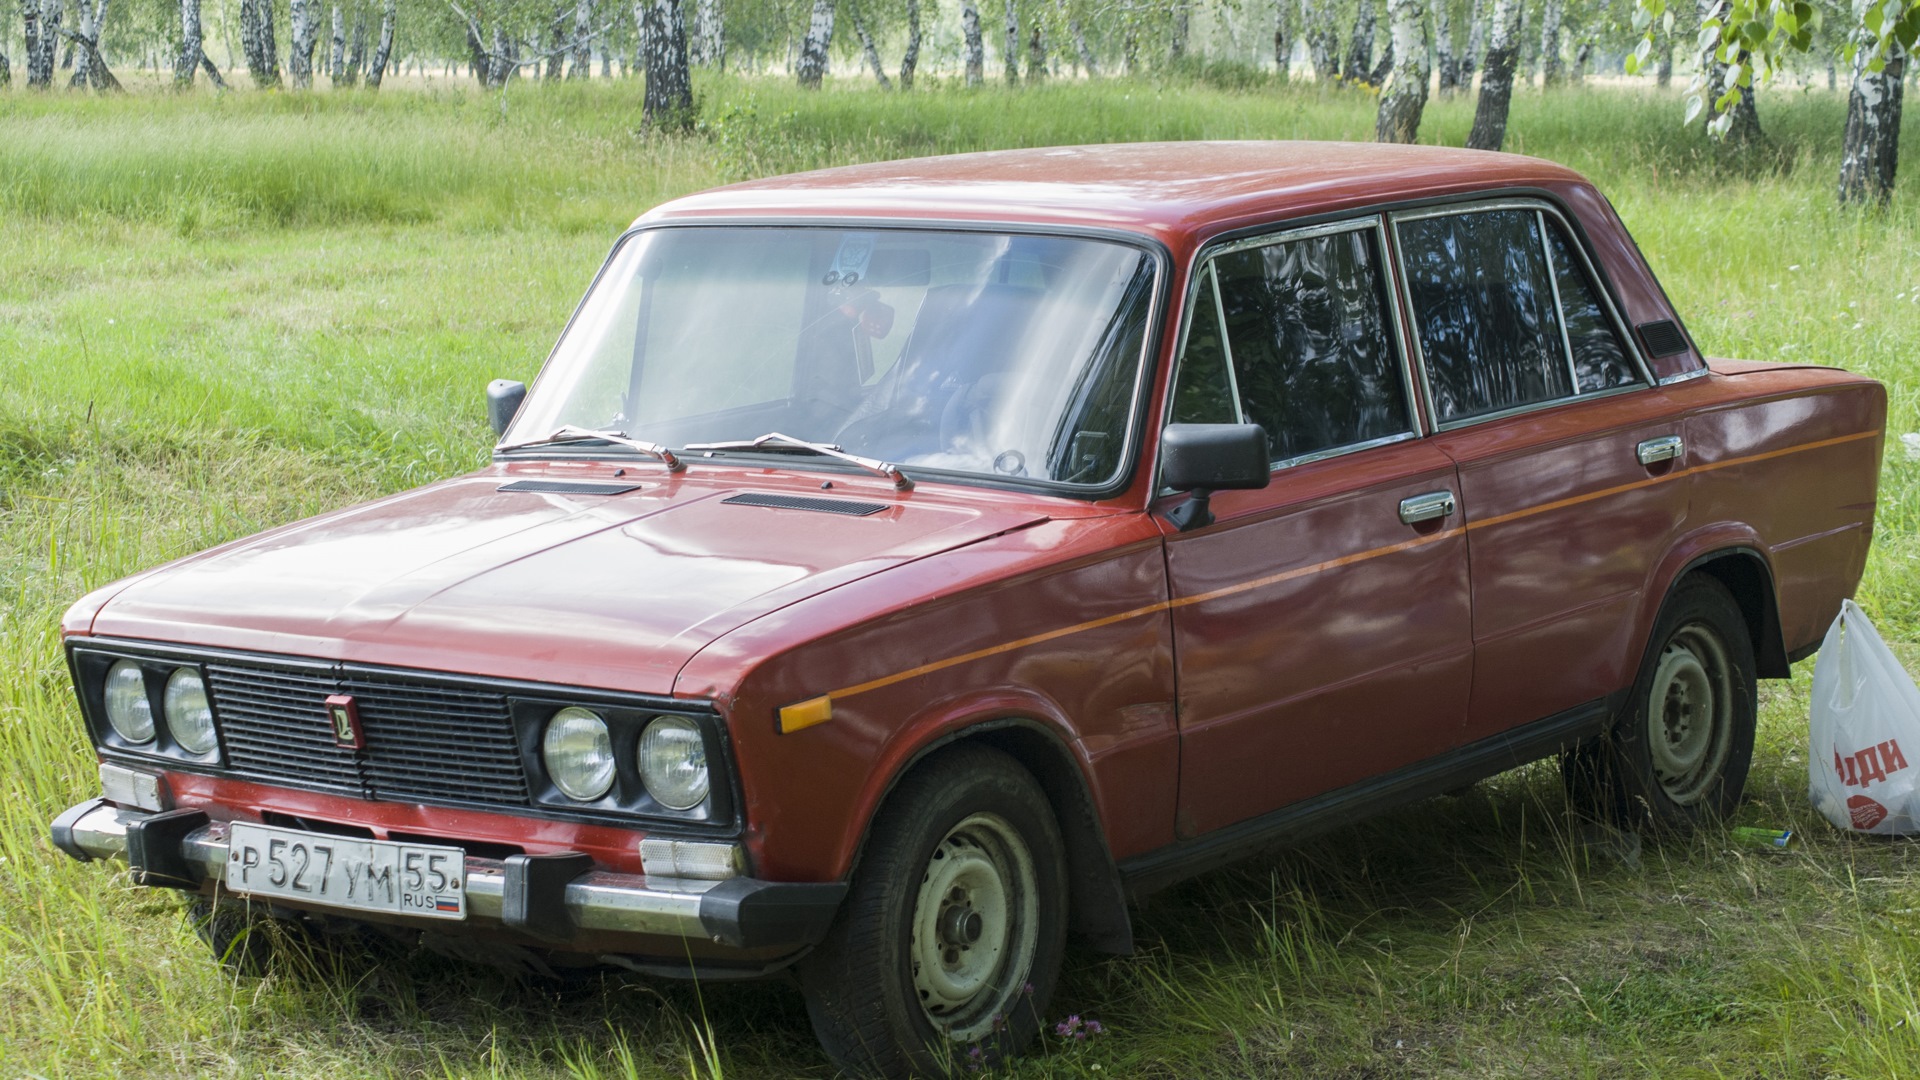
(1865, 812)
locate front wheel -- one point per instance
(1678, 755)
(949, 942)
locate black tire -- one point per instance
(948, 946)
(1677, 755)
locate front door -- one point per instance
(1321, 625)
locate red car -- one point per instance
(895, 568)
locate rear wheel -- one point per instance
(1677, 757)
(949, 942)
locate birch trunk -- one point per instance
(1078, 31)
(1870, 154)
(30, 15)
(6, 68)
(1443, 49)
(79, 79)
(1323, 46)
(188, 60)
(668, 102)
(866, 47)
(377, 67)
(1036, 56)
(709, 45)
(305, 30)
(1010, 48)
(813, 52)
(1182, 29)
(1553, 71)
(357, 55)
(1582, 56)
(556, 45)
(337, 57)
(1130, 50)
(582, 41)
(1476, 42)
(1360, 46)
(1282, 40)
(1405, 95)
(88, 51)
(975, 50)
(1496, 83)
(1664, 74)
(910, 60)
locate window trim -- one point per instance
(1390, 299)
(1575, 241)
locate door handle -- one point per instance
(1432, 506)
(1664, 448)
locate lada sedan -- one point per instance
(894, 569)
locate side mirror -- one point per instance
(503, 402)
(1205, 458)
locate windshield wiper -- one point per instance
(773, 440)
(572, 433)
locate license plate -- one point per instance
(338, 871)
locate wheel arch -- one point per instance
(1745, 572)
(1096, 904)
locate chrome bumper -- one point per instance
(739, 912)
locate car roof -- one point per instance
(1177, 192)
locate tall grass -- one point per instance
(218, 313)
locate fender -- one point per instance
(1031, 728)
(1709, 544)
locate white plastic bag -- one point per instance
(1866, 721)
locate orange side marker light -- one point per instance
(806, 714)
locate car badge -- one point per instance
(346, 721)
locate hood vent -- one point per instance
(570, 487)
(849, 507)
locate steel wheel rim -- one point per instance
(1690, 714)
(975, 924)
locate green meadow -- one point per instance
(219, 313)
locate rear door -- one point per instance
(1321, 625)
(1565, 447)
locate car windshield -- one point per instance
(982, 353)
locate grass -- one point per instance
(221, 313)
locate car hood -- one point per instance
(614, 591)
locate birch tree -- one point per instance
(972, 47)
(257, 42)
(1282, 39)
(1036, 55)
(1181, 29)
(910, 59)
(305, 30)
(6, 67)
(1359, 64)
(708, 47)
(357, 54)
(1405, 96)
(1010, 50)
(668, 102)
(1078, 31)
(192, 55)
(1496, 81)
(582, 42)
(1323, 45)
(337, 58)
(1870, 152)
(377, 67)
(1553, 71)
(1477, 12)
(1443, 61)
(1728, 77)
(871, 54)
(813, 52)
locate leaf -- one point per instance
(1874, 18)
(1721, 124)
(1642, 18)
(1709, 38)
(1735, 74)
(1666, 24)
(1643, 50)
(1803, 12)
(1695, 103)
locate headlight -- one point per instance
(579, 754)
(673, 762)
(189, 717)
(128, 708)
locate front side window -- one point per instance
(981, 353)
(1506, 316)
(1308, 343)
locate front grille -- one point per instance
(424, 740)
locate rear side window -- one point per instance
(1306, 345)
(1505, 315)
